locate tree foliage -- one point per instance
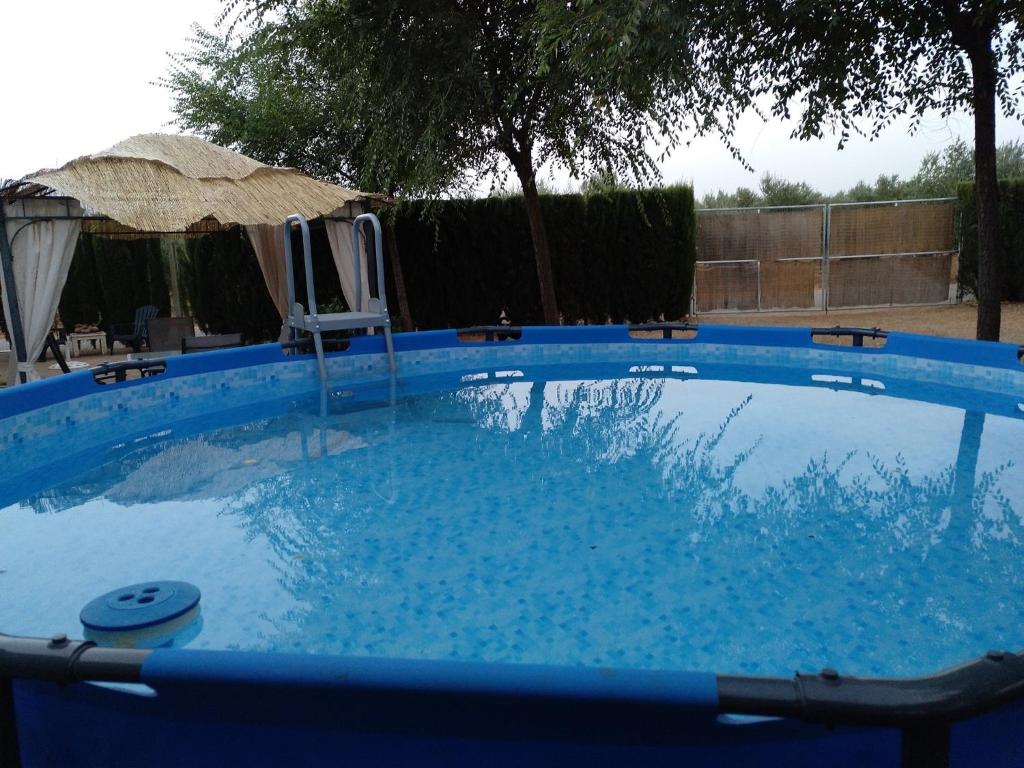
(939, 175)
(434, 93)
(417, 97)
(261, 98)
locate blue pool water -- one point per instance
(661, 517)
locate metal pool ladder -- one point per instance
(376, 314)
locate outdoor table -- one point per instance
(96, 339)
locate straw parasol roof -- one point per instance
(168, 183)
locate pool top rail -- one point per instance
(948, 696)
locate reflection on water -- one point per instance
(651, 522)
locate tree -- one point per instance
(257, 98)
(416, 97)
(941, 172)
(774, 190)
(848, 65)
(779, 191)
(852, 62)
(939, 175)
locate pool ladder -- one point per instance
(376, 314)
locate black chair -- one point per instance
(139, 334)
(164, 334)
(207, 343)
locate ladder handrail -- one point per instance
(307, 259)
(357, 229)
(309, 320)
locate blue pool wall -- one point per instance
(247, 374)
(251, 709)
(70, 417)
(209, 707)
(239, 708)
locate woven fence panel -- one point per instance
(790, 284)
(863, 282)
(760, 234)
(725, 287)
(880, 229)
(921, 279)
(886, 280)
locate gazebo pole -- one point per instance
(10, 298)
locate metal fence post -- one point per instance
(758, 285)
(826, 234)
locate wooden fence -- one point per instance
(826, 256)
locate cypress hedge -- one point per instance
(223, 286)
(1011, 234)
(619, 255)
(109, 279)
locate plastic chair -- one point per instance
(139, 333)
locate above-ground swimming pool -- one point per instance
(543, 546)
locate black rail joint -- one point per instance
(115, 373)
(668, 330)
(60, 660)
(857, 334)
(490, 333)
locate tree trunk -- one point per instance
(987, 191)
(391, 246)
(523, 164)
(965, 472)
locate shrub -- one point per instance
(619, 255)
(1011, 234)
(224, 289)
(109, 279)
(616, 254)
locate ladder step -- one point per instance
(337, 321)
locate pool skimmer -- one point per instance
(150, 614)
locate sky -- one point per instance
(86, 78)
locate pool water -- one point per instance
(662, 518)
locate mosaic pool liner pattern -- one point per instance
(238, 378)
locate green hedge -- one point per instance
(219, 277)
(618, 255)
(1011, 233)
(109, 279)
(223, 286)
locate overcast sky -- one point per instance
(82, 77)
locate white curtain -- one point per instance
(42, 254)
(268, 242)
(339, 233)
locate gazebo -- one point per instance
(153, 185)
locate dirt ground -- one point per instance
(50, 368)
(955, 320)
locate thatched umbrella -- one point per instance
(146, 185)
(160, 183)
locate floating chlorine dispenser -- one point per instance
(152, 614)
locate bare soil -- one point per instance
(956, 320)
